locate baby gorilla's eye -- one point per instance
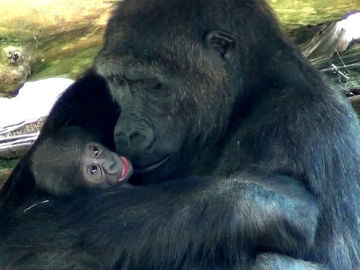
(93, 174)
(93, 169)
(95, 151)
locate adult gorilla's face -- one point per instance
(173, 81)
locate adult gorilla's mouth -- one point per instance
(151, 166)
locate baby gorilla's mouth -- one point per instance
(151, 166)
(126, 169)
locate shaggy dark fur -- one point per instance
(210, 92)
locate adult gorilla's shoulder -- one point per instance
(212, 89)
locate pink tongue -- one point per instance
(125, 167)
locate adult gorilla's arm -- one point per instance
(88, 104)
(206, 217)
(271, 261)
(159, 226)
(161, 223)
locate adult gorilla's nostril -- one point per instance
(123, 139)
(142, 140)
(135, 140)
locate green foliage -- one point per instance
(59, 66)
(9, 40)
(294, 14)
(8, 163)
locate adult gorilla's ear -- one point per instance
(221, 42)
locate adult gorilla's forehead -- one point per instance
(135, 55)
(134, 66)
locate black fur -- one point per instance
(213, 86)
(192, 223)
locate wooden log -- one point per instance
(17, 139)
(16, 146)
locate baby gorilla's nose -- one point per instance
(112, 164)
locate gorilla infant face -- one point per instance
(173, 83)
(69, 160)
(99, 166)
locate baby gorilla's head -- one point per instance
(70, 159)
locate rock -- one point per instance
(45, 38)
(14, 69)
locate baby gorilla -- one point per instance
(70, 160)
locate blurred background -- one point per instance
(43, 39)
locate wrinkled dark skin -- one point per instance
(69, 161)
(255, 155)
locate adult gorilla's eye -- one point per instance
(121, 82)
(93, 169)
(154, 84)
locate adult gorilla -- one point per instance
(211, 85)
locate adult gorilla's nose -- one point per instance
(130, 140)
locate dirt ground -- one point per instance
(4, 174)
